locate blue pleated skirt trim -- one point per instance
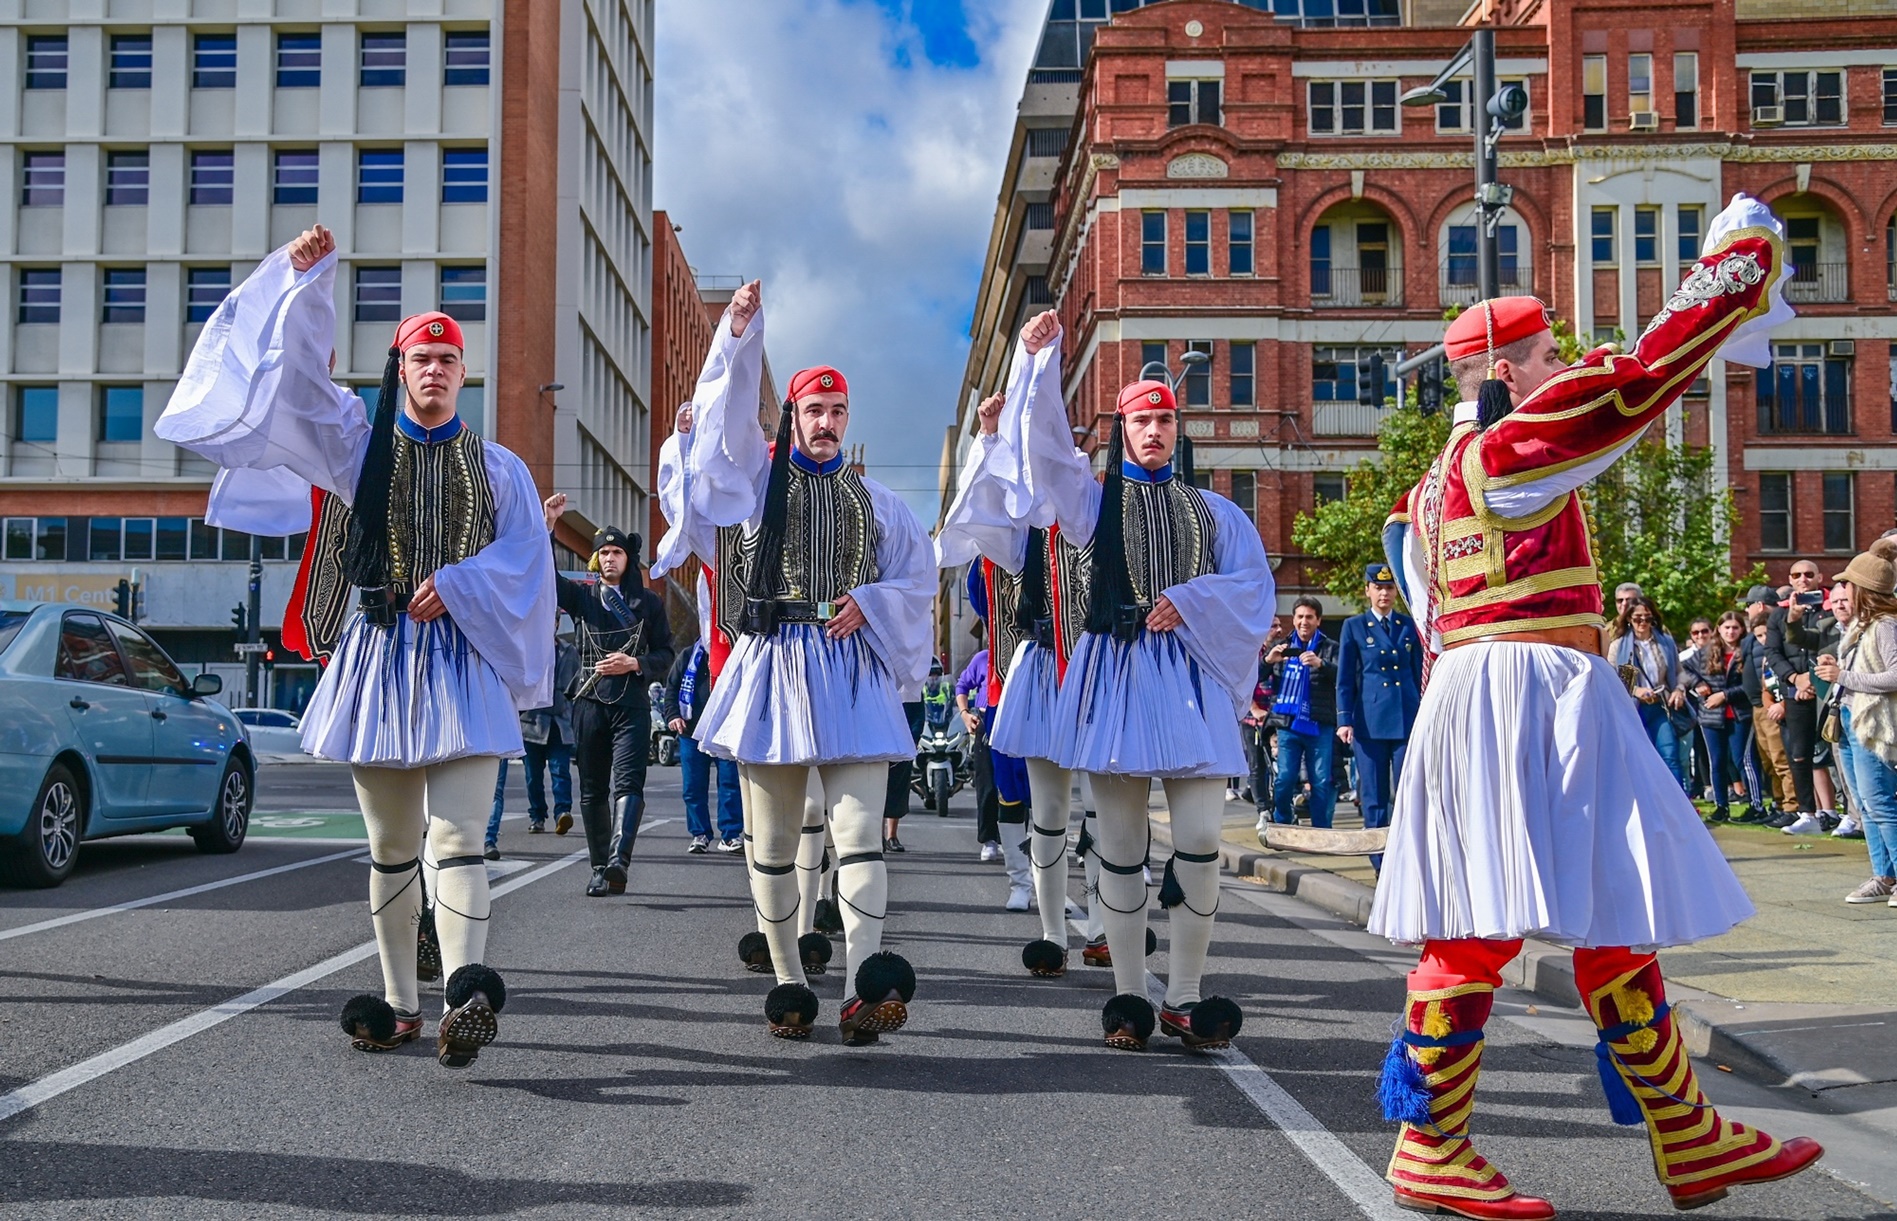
(1024, 724)
(409, 696)
(799, 697)
(1143, 709)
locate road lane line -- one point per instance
(169, 895)
(1340, 1164)
(53, 1085)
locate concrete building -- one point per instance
(1250, 187)
(484, 159)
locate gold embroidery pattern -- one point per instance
(829, 546)
(1169, 537)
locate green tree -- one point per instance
(1661, 520)
(1347, 534)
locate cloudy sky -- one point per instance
(848, 153)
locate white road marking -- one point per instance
(53, 1085)
(1339, 1163)
(169, 895)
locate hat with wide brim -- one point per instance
(1874, 570)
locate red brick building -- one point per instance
(1253, 188)
(681, 338)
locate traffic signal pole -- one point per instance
(255, 627)
(1488, 256)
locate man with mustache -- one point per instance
(1179, 599)
(1531, 804)
(436, 529)
(824, 585)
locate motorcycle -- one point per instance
(942, 765)
(664, 746)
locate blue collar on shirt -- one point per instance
(805, 462)
(428, 436)
(1139, 474)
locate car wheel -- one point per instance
(230, 817)
(48, 847)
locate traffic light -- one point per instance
(240, 619)
(1429, 387)
(122, 598)
(1370, 386)
(138, 603)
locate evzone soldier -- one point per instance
(824, 585)
(436, 528)
(623, 639)
(816, 862)
(1531, 804)
(1179, 599)
(1034, 601)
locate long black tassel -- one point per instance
(1035, 603)
(365, 558)
(1112, 587)
(768, 560)
(1492, 402)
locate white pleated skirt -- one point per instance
(1143, 709)
(799, 697)
(1533, 805)
(409, 696)
(1024, 725)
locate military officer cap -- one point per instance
(1378, 574)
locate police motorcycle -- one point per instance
(943, 764)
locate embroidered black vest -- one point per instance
(829, 549)
(441, 511)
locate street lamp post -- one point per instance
(1491, 110)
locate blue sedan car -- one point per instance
(100, 734)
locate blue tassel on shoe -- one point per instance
(1621, 1104)
(1401, 1090)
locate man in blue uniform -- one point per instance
(1379, 686)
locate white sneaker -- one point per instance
(1018, 897)
(699, 844)
(1807, 824)
(990, 851)
(1850, 828)
(1231, 794)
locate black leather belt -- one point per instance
(384, 606)
(762, 615)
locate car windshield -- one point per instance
(11, 621)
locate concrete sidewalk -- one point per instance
(1803, 995)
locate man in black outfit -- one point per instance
(623, 640)
(1793, 638)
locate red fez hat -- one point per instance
(820, 380)
(428, 328)
(1489, 326)
(1148, 396)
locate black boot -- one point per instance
(628, 812)
(597, 818)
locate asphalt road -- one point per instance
(148, 1067)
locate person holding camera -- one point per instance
(1795, 634)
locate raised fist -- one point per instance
(989, 413)
(682, 422)
(1041, 330)
(553, 507)
(310, 247)
(745, 304)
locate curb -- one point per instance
(1541, 968)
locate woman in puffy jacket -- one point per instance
(1714, 677)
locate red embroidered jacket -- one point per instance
(1503, 534)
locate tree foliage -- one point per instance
(1661, 520)
(1347, 534)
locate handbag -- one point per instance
(1831, 719)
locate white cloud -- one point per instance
(793, 146)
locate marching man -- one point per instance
(1179, 600)
(438, 531)
(825, 582)
(1531, 804)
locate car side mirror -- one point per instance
(207, 684)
